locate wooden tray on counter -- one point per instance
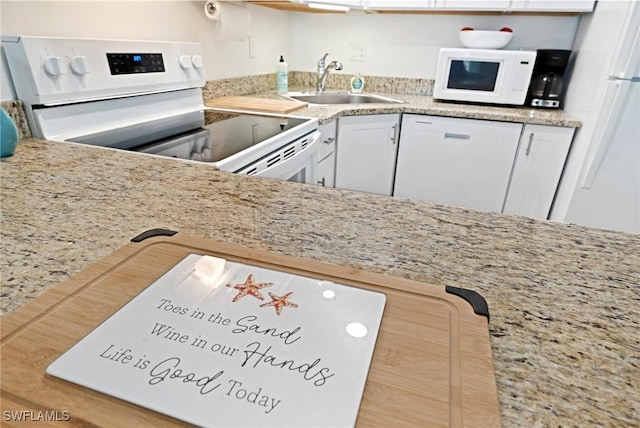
(269, 105)
(431, 367)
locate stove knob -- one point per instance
(197, 61)
(79, 65)
(54, 66)
(185, 61)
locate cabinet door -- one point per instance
(462, 5)
(461, 162)
(552, 5)
(366, 153)
(349, 3)
(536, 174)
(473, 5)
(326, 170)
(399, 4)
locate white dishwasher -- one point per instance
(461, 162)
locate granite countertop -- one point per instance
(564, 299)
(425, 104)
(416, 95)
(422, 104)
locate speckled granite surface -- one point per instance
(564, 299)
(302, 79)
(389, 85)
(415, 95)
(15, 110)
(421, 104)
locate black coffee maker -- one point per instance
(547, 85)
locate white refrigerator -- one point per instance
(600, 185)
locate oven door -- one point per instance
(295, 161)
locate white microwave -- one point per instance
(484, 75)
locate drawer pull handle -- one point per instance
(457, 136)
(329, 140)
(529, 145)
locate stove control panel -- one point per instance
(130, 63)
(51, 70)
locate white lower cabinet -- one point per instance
(461, 162)
(366, 153)
(541, 156)
(326, 167)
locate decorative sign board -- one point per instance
(219, 343)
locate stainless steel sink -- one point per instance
(341, 98)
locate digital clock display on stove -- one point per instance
(133, 63)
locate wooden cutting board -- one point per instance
(431, 366)
(256, 104)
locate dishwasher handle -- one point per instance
(451, 135)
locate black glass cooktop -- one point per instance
(226, 135)
(185, 137)
(233, 133)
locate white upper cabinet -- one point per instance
(349, 3)
(478, 5)
(472, 5)
(399, 4)
(552, 5)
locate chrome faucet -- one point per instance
(323, 72)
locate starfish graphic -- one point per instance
(249, 288)
(279, 302)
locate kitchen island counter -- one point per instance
(564, 299)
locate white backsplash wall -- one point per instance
(151, 20)
(403, 45)
(396, 45)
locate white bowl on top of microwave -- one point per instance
(484, 39)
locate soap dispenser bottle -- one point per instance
(282, 77)
(357, 84)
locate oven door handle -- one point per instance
(289, 166)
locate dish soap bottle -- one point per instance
(357, 83)
(282, 77)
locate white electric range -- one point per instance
(146, 96)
